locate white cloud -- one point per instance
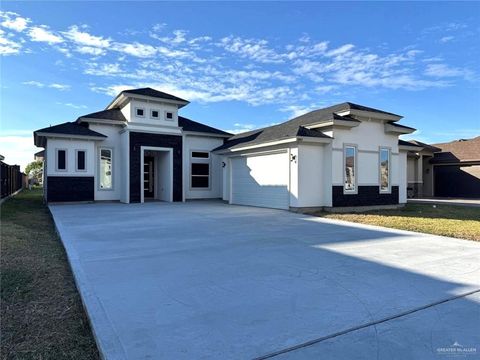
(447, 39)
(43, 34)
(253, 49)
(241, 128)
(104, 69)
(61, 87)
(84, 38)
(135, 49)
(91, 50)
(13, 21)
(17, 149)
(341, 50)
(8, 46)
(72, 105)
(445, 71)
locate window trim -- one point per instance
(76, 160)
(98, 168)
(196, 160)
(389, 188)
(355, 169)
(57, 169)
(154, 117)
(136, 113)
(171, 112)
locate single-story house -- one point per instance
(449, 169)
(140, 148)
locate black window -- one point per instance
(200, 172)
(61, 159)
(80, 160)
(200, 169)
(154, 114)
(140, 112)
(169, 115)
(198, 154)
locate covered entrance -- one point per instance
(156, 174)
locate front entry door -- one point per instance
(148, 177)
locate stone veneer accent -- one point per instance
(137, 140)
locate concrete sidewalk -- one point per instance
(207, 280)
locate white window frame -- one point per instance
(171, 112)
(76, 160)
(98, 168)
(389, 187)
(197, 160)
(136, 113)
(154, 117)
(355, 169)
(57, 169)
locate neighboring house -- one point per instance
(139, 148)
(39, 156)
(445, 170)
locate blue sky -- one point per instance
(242, 65)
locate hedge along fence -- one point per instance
(12, 179)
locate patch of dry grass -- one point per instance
(41, 311)
(454, 221)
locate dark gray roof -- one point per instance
(401, 126)
(190, 125)
(153, 93)
(294, 126)
(408, 143)
(291, 128)
(110, 114)
(425, 146)
(68, 128)
(366, 108)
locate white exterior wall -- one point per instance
(226, 178)
(124, 180)
(294, 185)
(368, 137)
(402, 181)
(113, 141)
(203, 143)
(310, 175)
(70, 145)
(147, 106)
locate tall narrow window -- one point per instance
(61, 160)
(106, 168)
(350, 171)
(384, 170)
(81, 160)
(200, 170)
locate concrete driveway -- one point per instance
(205, 280)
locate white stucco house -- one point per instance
(139, 148)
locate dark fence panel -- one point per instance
(12, 179)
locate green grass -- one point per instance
(455, 221)
(41, 312)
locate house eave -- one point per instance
(102, 121)
(296, 139)
(196, 133)
(123, 98)
(370, 114)
(390, 128)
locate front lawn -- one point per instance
(41, 312)
(455, 221)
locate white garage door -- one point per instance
(261, 180)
